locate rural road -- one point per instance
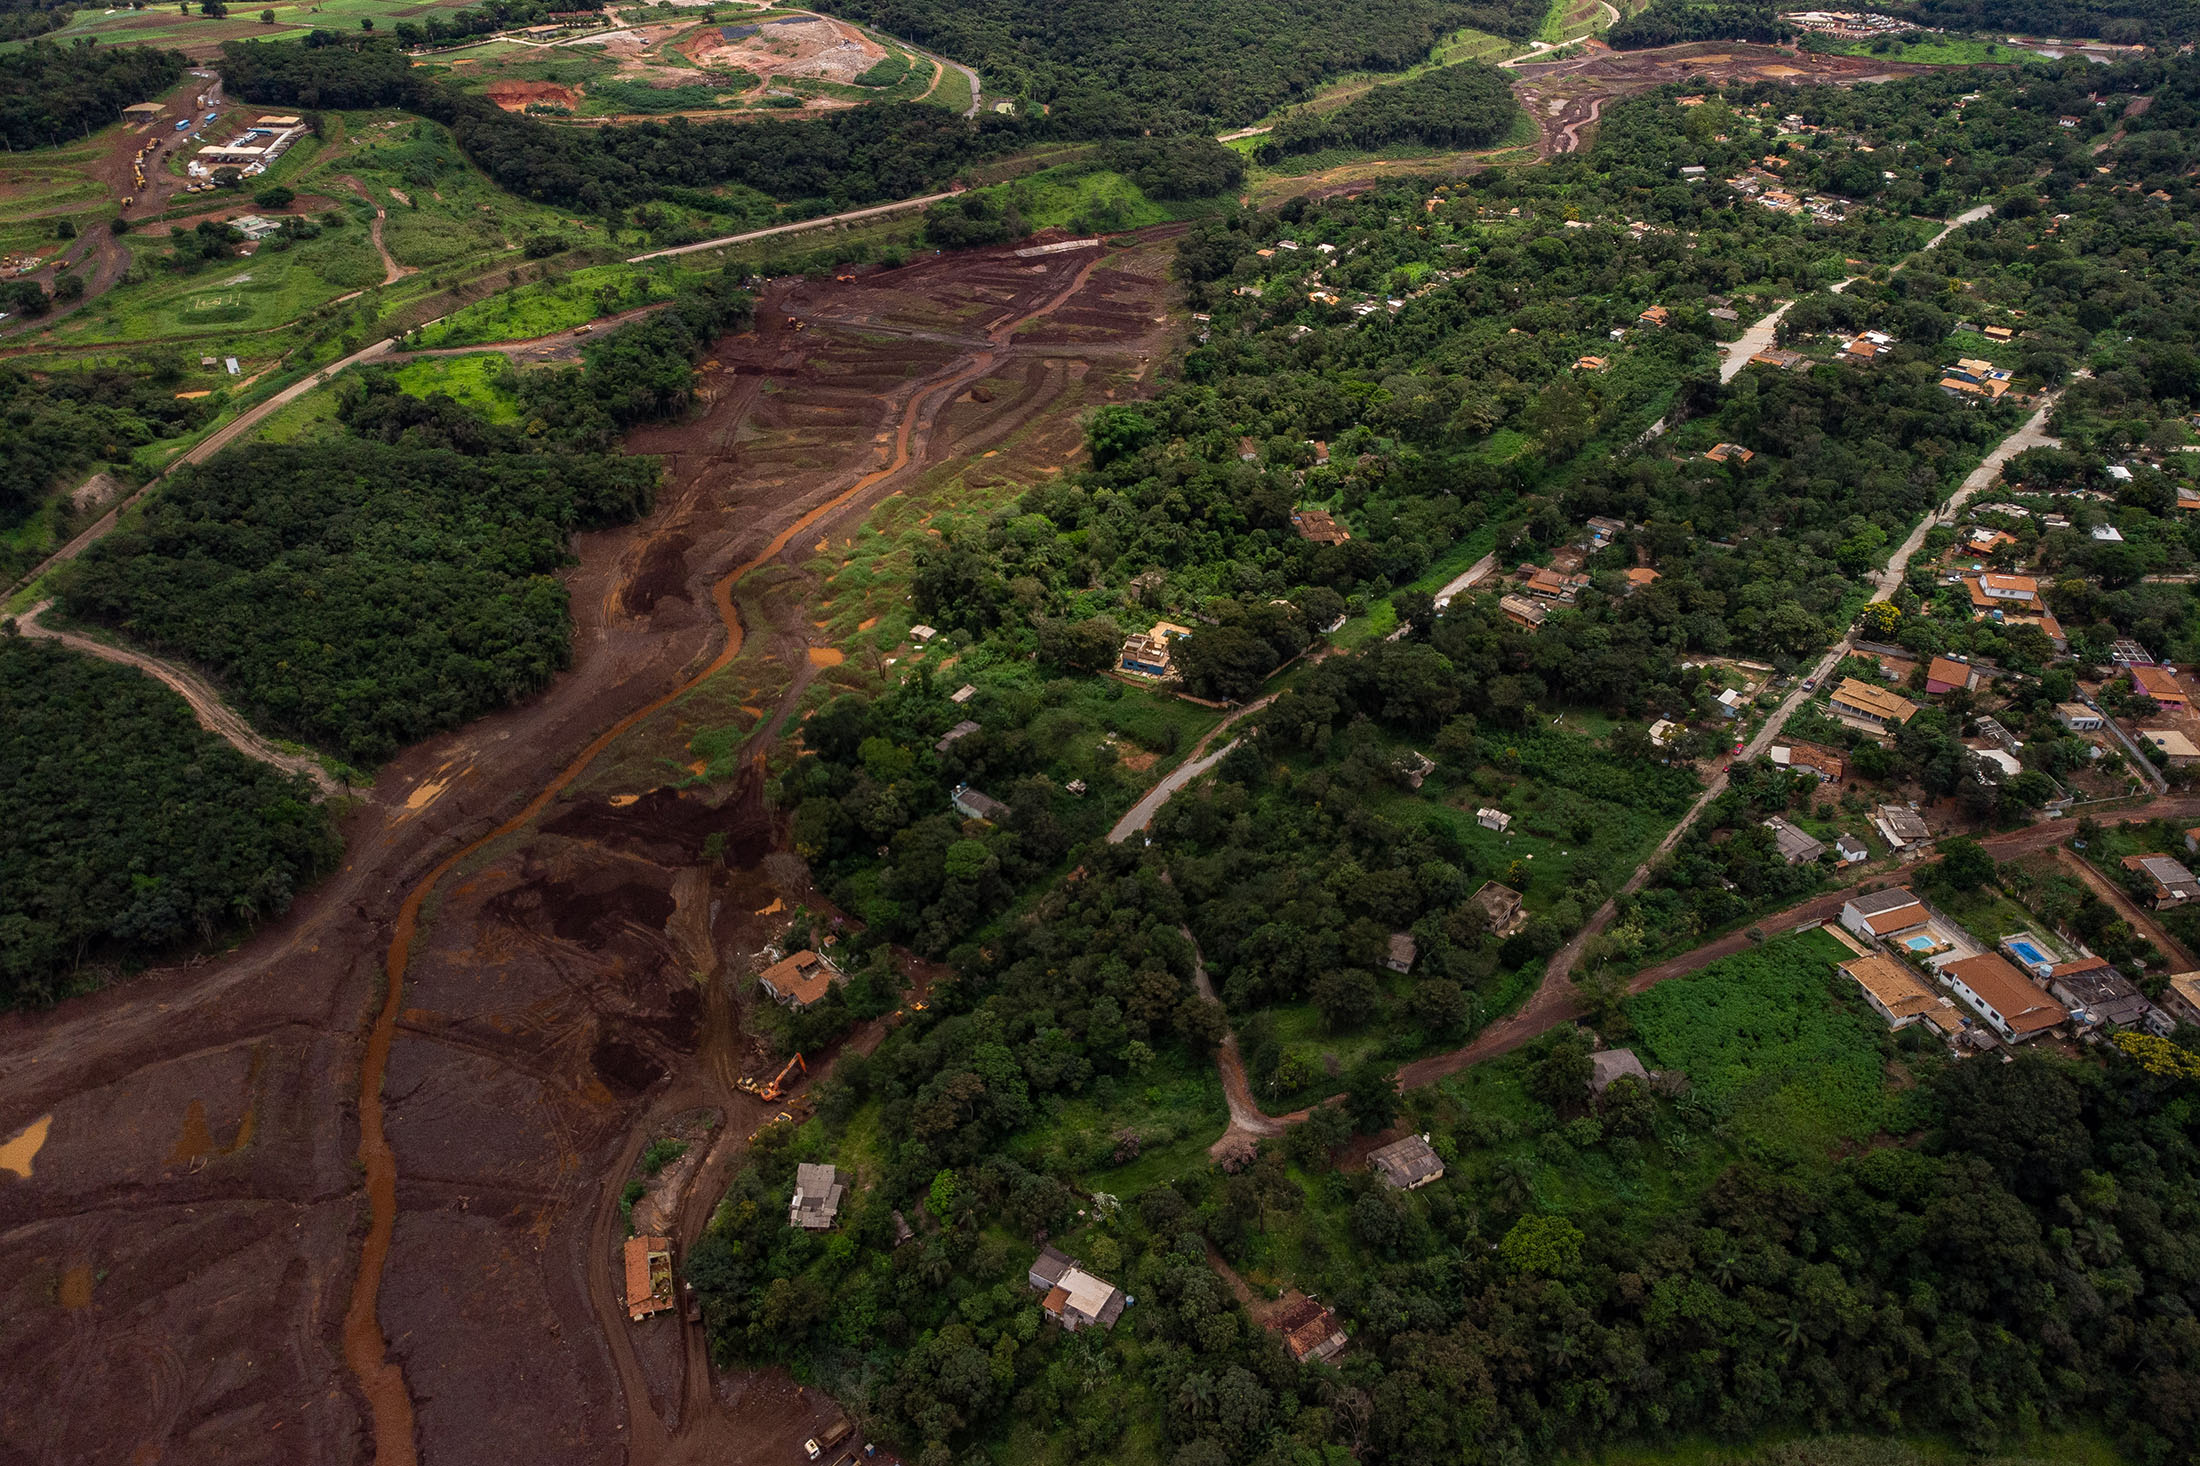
(1752, 341)
(1466, 579)
(874, 211)
(214, 715)
(1141, 814)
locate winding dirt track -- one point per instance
(214, 715)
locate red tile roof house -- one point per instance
(2161, 684)
(2004, 997)
(1945, 674)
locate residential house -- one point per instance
(1492, 819)
(1664, 731)
(1884, 913)
(1796, 845)
(1538, 580)
(1728, 453)
(1641, 577)
(2079, 718)
(922, 635)
(1731, 703)
(1810, 758)
(1078, 1300)
(1603, 529)
(1609, 1065)
(1148, 653)
(970, 804)
(1897, 994)
(1047, 1268)
(1860, 352)
(2004, 997)
(648, 1276)
(2125, 652)
(2161, 684)
(1983, 540)
(1309, 1330)
(1993, 732)
(1408, 1164)
(1781, 359)
(1946, 674)
(955, 735)
(1851, 851)
(2170, 884)
(1502, 905)
(2178, 751)
(1398, 957)
(1319, 526)
(1593, 364)
(1855, 701)
(2107, 534)
(817, 1193)
(2097, 994)
(963, 693)
(1522, 612)
(798, 980)
(1995, 592)
(2181, 998)
(1901, 826)
(1656, 315)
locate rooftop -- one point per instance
(2020, 1005)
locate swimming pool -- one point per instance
(1920, 944)
(2025, 950)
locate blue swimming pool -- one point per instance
(2028, 952)
(1920, 944)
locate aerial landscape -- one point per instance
(1459, 731)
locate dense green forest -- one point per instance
(60, 422)
(1176, 66)
(365, 592)
(2127, 22)
(52, 93)
(1436, 366)
(1462, 106)
(1669, 22)
(126, 830)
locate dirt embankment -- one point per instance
(194, 1235)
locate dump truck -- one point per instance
(832, 1436)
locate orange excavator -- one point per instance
(771, 1090)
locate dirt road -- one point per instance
(214, 715)
(827, 221)
(1753, 340)
(392, 271)
(198, 1175)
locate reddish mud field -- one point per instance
(287, 1210)
(1566, 97)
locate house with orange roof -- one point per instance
(798, 980)
(2004, 997)
(1946, 674)
(648, 1276)
(2160, 684)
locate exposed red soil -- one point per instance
(518, 96)
(542, 980)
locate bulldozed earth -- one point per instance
(352, 1190)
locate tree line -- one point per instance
(1467, 105)
(52, 93)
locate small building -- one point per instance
(963, 693)
(1884, 913)
(143, 109)
(817, 1194)
(2079, 718)
(1593, 364)
(1148, 653)
(1851, 851)
(799, 980)
(1607, 1066)
(2010, 1004)
(1946, 674)
(1309, 1330)
(1797, 846)
(922, 634)
(1809, 758)
(1664, 731)
(1993, 732)
(2160, 684)
(2181, 998)
(1781, 359)
(2177, 750)
(1502, 905)
(1408, 1164)
(2004, 591)
(2107, 534)
(1728, 453)
(1522, 612)
(1656, 315)
(1603, 530)
(1641, 577)
(2125, 652)
(1074, 1298)
(1319, 526)
(1899, 995)
(2171, 884)
(648, 1276)
(2098, 995)
(1401, 952)
(971, 804)
(1492, 819)
(1416, 766)
(955, 735)
(1873, 706)
(1901, 826)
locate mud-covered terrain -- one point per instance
(277, 1207)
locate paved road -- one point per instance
(1141, 814)
(795, 228)
(1752, 341)
(1472, 575)
(214, 715)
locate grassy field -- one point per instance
(481, 382)
(951, 92)
(201, 35)
(1934, 51)
(557, 304)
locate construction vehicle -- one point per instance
(818, 1445)
(769, 1093)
